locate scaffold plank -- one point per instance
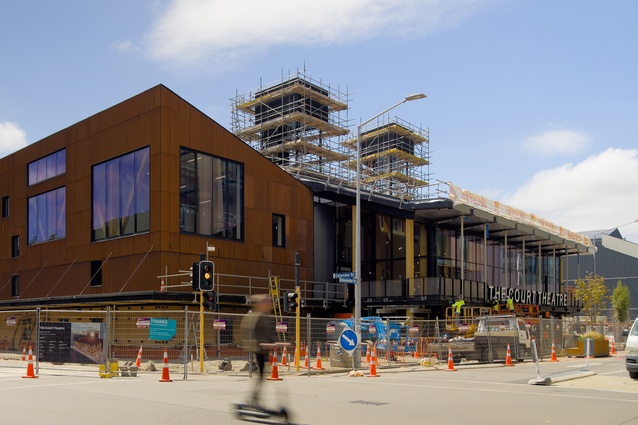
(307, 120)
(296, 88)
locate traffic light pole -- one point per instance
(201, 331)
(298, 328)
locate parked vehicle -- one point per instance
(631, 357)
(494, 333)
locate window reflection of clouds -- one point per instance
(121, 195)
(47, 216)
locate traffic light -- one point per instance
(209, 300)
(195, 276)
(206, 275)
(291, 302)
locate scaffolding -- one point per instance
(302, 125)
(297, 123)
(395, 158)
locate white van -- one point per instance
(631, 358)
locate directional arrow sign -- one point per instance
(348, 340)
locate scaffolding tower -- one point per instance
(395, 158)
(302, 125)
(298, 123)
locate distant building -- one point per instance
(613, 258)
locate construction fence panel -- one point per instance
(18, 331)
(91, 337)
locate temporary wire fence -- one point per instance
(72, 338)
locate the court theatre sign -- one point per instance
(524, 296)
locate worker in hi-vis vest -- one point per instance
(510, 305)
(457, 308)
(495, 305)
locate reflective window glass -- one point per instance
(48, 167)
(47, 216)
(120, 196)
(211, 195)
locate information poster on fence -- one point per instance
(162, 329)
(71, 342)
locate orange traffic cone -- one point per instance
(373, 365)
(165, 377)
(319, 366)
(138, 361)
(553, 359)
(612, 350)
(274, 374)
(284, 360)
(508, 358)
(162, 286)
(30, 372)
(368, 350)
(24, 354)
(450, 361)
(416, 352)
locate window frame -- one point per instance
(5, 206)
(211, 195)
(120, 186)
(15, 286)
(278, 230)
(15, 246)
(50, 166)
(39, 216)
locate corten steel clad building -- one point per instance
(93, 215)
(107, 205)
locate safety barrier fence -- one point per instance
(71, 338)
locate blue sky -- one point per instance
(530, 102)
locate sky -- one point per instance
(533, 103)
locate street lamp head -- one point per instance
(416, 96)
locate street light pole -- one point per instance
(357, 217)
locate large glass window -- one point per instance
(48, 167)
(121, 196)
(211, 195)
(47, 216)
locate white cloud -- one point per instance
(553, 142)
(12, 138)
(187, 31)
(124, 46)
(597, 193)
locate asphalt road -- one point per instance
(469, 395)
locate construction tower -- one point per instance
(302, 125)
(298, 123)
(395, 158)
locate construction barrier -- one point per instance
(138, 361)
(30, 371)
(165, 373)
(553, 359)
(508, 357)
(373, 365)
(450, 361)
